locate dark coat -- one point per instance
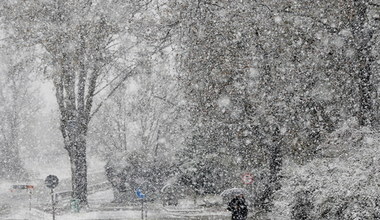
(239, 208)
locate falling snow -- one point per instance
(158, 109)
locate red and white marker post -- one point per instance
(27, 187)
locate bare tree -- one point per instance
(18, 104)
(144, 123)
(77, 40)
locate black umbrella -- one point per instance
(234, 192)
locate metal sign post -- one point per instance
(30, 200)
(29, 188)
(248, 180)
(141, 196)
(52, 202)
(142, 208)
(51, 182)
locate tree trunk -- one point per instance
(79, 170)
(271, 180)
(74, 130)
(363, 37)
(275, 163)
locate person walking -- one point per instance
(239, 208)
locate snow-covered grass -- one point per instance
(101, 208)
(343, 183)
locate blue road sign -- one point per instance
(139, 193)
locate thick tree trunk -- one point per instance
(79, 170)
(74, 130)
(275, 165)
(75, 107)
(363, 37)
(272, 184)
(365, 89)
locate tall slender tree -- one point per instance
(18, 104)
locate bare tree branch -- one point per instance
(130, 73)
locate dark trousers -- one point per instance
(238, 216)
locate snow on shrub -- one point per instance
(342, 183)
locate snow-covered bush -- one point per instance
(342, 183)
(128, 172)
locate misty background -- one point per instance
(193, 94)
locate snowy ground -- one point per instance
(100, 207)
(115, 215)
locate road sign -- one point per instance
(247, 178)
(30, 191)
(140, 194)
(22, 186)
(51, 181)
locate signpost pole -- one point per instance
(142, 209)
(248, 180)
(146, 211)
(51, 182)
(30, 200)
(141, 196)
(52, 203)
(29, 189)
(251, 188)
